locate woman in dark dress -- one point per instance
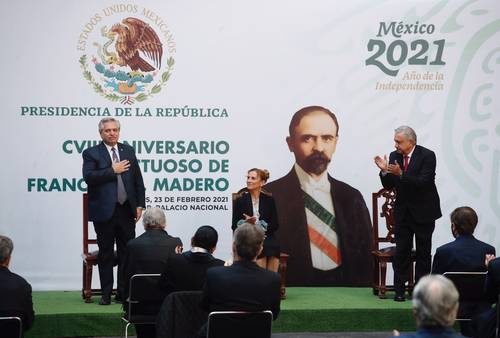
(256, 206)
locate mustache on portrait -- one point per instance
(316, 163)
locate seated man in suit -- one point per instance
(187, 272)
(484, 325)
(465, 254)
(435, 306)
(15, 292)
(148, 253)
(243, 286)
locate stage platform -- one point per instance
(64, 314)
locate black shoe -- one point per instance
(105, 300)
(399, 298)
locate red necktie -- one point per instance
(406, 158)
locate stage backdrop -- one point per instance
(219, 101)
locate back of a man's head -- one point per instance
(205, 237)
(465, 220)
(247, 241)
(6, 247)
(435, 301)
(154, 218)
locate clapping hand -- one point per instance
(381, 162)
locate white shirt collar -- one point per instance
(196, 249)
(411, 153)
(307, 182)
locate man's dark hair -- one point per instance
(205, 237)
(6, 247)
(297, 117)
(465, 220)
(248, 239)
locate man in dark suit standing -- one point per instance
(15, 292)
(146, 254)
(116, 196)
(187, 272)
(411, 170)
(466, 254)
(324, 223)
(243, 286)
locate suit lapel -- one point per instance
(415, 158)
(103, 152)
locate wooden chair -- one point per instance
(385, 254)
(283, 256)
(89, 257)
(241, 324)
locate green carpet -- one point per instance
(64, 314)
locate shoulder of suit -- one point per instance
(282, 182)
(266, 193)
(341, 186)
(19, 280)
(423, 149)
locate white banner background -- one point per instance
(261, 61)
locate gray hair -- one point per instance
(408, 132)
(248, 239)
(106, 120)
(435, 301)
(154, 218)
(6, 247)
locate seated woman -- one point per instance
(257, 207)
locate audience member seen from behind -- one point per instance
(256, 206)
(148, 254)
(243, 286)
(435, 306)
(187, 272)
(465, 254)
(15, 293)
(484, 326)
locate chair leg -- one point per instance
(126, 330)
(411, 281)
(382, 285)
(83, 281)
(376, 277)
(88, 283)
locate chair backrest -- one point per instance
(181, 315)
(11, 327)
(144, 287)
(470, 285)
(386, 212)
(241, 324)
(144, 293)
(85, 226)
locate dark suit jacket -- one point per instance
(187, 272)
(465, 253)
(353, 228)
(243, 286)
(434, 332)
(148, 253)
(15, 299)
(416, 191)
(102, 181)
(267, 211)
